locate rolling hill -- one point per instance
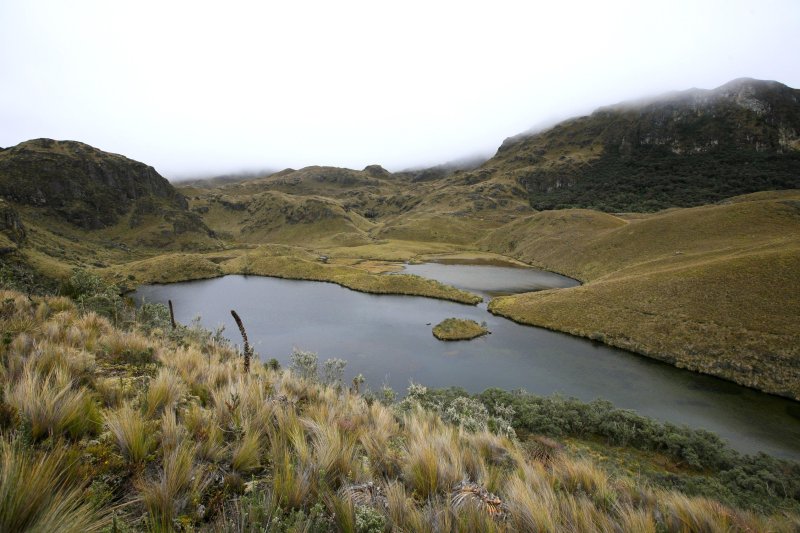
(654, 205)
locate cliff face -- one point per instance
(681, 149)
(89, 188)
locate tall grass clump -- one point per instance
(166, 496)
(50, 406)
(247, 453)
(131, 431)
(37, 494)
(434, 461)
(164, 392)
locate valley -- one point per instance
(710, 288)
(629, 280)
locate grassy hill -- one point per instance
(113, 420)
(682, 149)
(709, 288)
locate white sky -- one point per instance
(200, 88)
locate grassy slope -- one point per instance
(708, 288)
(163, 430)
(705, 288)
(280, 262)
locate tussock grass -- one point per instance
(166, 496)
(433, 461)
(292, 484)
(37, 494)
(127, 347)
(131, 431)
(78, 364)
(247, 453)
(112, 390)
(173, 434)
(377, 441)
(50, 404)
(532, 508)
(274, 451)
(164, 392)
(333, 451)
(206, 432)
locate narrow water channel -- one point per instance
(389, 340)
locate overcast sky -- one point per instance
(196, 88)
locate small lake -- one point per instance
(388, 339)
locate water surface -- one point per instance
(388, 339)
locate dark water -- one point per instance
(389, 340)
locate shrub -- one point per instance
(333, 373)
(305, 364)
(93, 294)
(153, 316)
(468, 413)
(368, 520)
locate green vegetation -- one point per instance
(659, 179)
(693, 461)
(687, 149)
(181, 438)
(457, 329)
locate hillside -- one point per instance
(85, 186)
(679, 150)
(65, 204)
(709, 288)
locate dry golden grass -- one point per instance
(268, 444)
(708, 288)
(163, 392)
(37, 494)
(51, 405)
(131, 431)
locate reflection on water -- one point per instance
(489, 280)
(389, 340)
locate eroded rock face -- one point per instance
(10, 224)
(681, 149)
(86, 186)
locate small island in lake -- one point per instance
(458, 329)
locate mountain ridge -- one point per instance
(682, 149)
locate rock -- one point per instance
(377, 171)
(87, 187)
(10, 223)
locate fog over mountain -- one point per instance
(197, 89)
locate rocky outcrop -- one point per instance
(10, 223)
(87, 187)
(682, 149)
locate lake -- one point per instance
(388, 339)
